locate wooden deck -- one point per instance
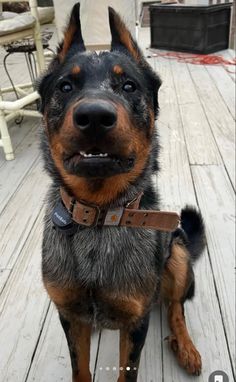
(196, 127)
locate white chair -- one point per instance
(13, 28)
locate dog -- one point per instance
(108, 253)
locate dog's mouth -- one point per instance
(95, 163)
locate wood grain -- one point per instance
(216, 200)
(218, 115)
(19, 216)
(23, 306)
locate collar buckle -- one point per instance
(134, 203)
(88, 209)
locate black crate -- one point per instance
(196, 29)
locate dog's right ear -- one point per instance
(121, 36)
(72, 36)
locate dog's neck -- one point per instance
(133, 202)
(129, 215)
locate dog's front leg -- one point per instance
(78, 335)
(131, 344)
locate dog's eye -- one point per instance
(65, 87)
(129, 86)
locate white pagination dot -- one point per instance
(107, 368)
(114, 368)
(121, 368)
(100, 368)
(128, 368)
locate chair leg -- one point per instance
(5, 137)
(37, 37)
(39, 53)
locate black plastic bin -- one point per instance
(196, 29)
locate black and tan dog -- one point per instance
(107, 256)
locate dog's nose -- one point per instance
(99, 117)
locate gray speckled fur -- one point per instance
(112, 258)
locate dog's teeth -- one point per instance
(102, 155)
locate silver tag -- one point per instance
(114, 216)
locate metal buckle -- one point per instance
(134, 200)
(97, 209)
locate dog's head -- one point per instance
(99, 112)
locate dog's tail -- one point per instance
(193, 225)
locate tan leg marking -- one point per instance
(125, 349)
(81, 335)
(175, 283)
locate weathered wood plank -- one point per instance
(229, 54)
(176, 176)
(18, 134)
(107, 368)
(19, 216)
(174, 180)
(200, 142)
(218, 115)
(52, 361)
(151, 359)
(13, 172)
(216, 199)
(23, 305)
(203, 320)
(225, 86)
(4, 274)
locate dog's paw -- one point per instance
(187, 355)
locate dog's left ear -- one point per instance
(123, 40)
(121, 36)
(73, 35)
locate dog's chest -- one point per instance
(107, 276)
(110, 257)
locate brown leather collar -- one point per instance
(91, 215)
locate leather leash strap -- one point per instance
(130, 216)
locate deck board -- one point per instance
(197, 165)
(225, 86)
(218, 115)
(176, 183)
(197, 131)
(23, 306)
(19, 216)
(217, 208)
(13, 172)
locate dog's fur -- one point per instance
(110, 276)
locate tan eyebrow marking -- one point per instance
(76, 70)
(118, 69)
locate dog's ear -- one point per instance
(72, 36)
(121, 36)
(123, 40)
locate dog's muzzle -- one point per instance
(94, 117)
